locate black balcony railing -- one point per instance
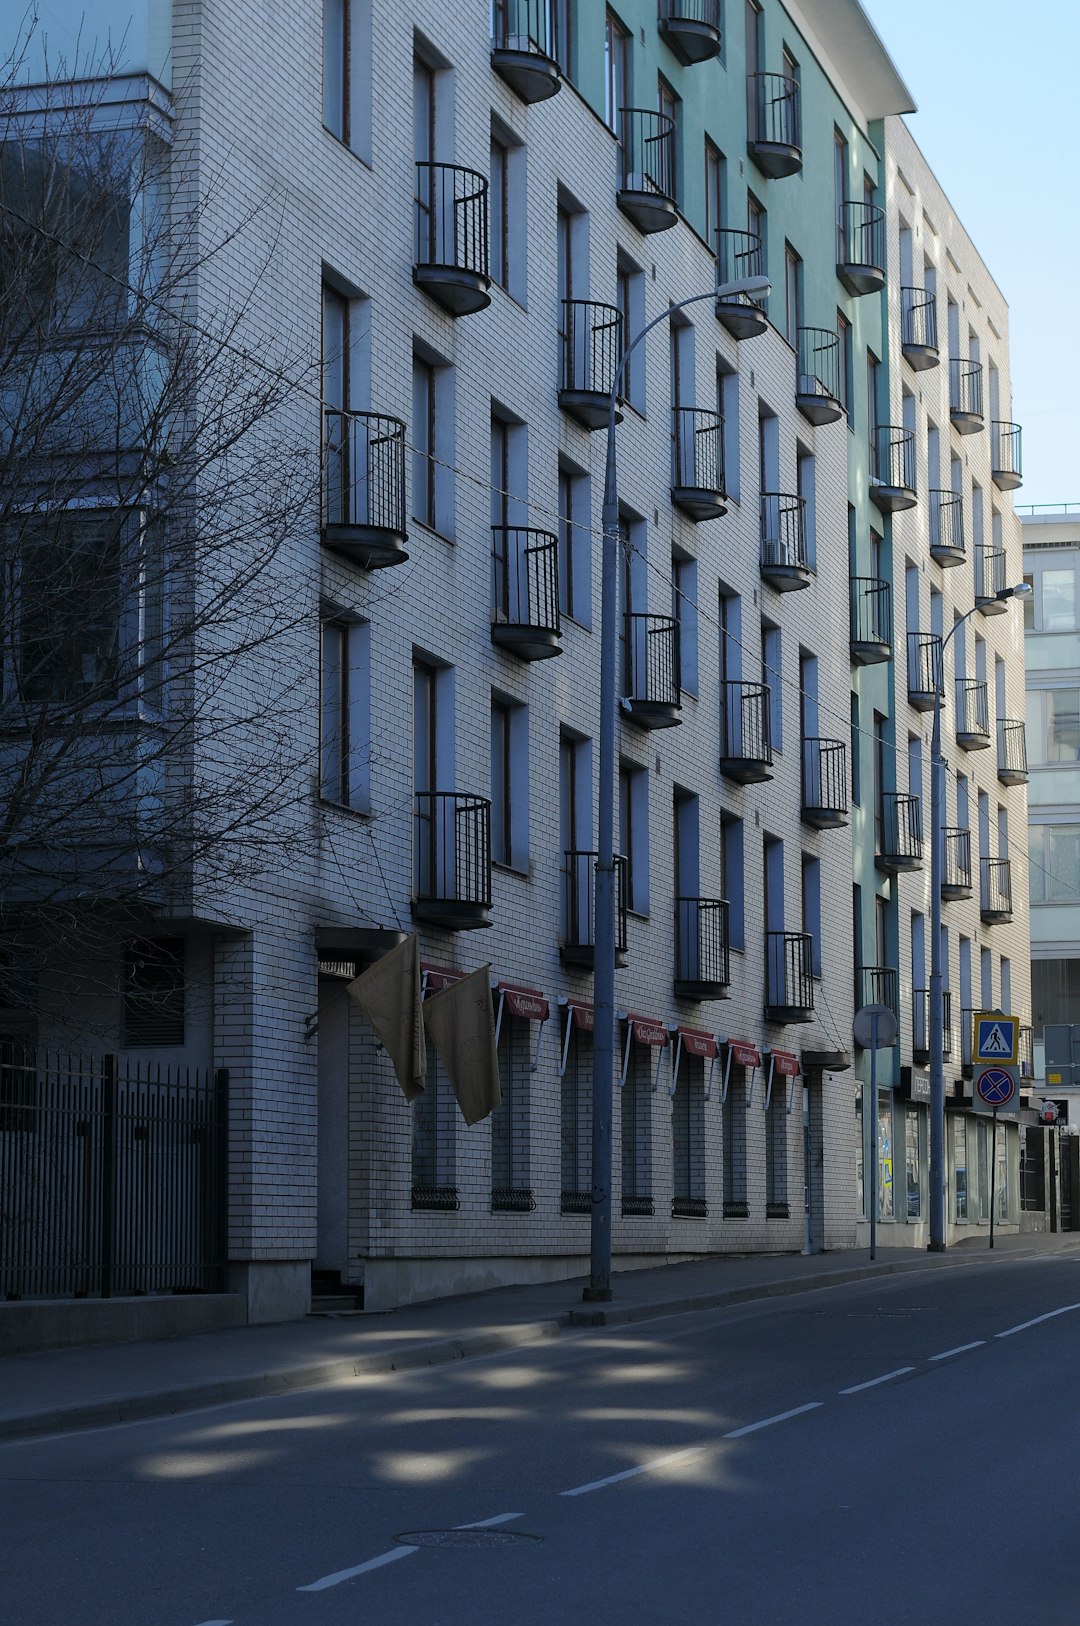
(860, 247)
(579, 897)
(824, 783)
(775, 123)
(818, 386)
(740, 254)
(1006, 469)
(920, 1025)
(1026, 1051)
(956, 870)
(967, 1035)
(525, 46)
(878, 985)
(989, 578)
(901, 831)
(1012, 764)
(972, 714)
(893, 462)
(918, 327)
(784, 558)
(697, 476)
(115, 1177)
(651, 666)
(691, 28)
(525, 565)
(592, 345)
(746, 730)
(924, 669)
(647, 181)
(947, 527)
(452, 236)
(789, 976)
(363, 486)
(702, 968)
(995, 890)
(965, 394)
(871, 619)
(453, 858)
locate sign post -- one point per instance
(873, 1027)
(997, 1089)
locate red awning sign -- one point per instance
(584, 1017)
(697, 1043)
(437, 977)
(785, 1062)
(744, 1055)
(527, 1003)
(646, 1031)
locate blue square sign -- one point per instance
(996, 1038)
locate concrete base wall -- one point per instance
(272, 1289)
(392, 1282)
(59, 1323)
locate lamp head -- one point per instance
(754, 287)
(1021, 590)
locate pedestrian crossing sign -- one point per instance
(996, 1037)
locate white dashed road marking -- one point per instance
(1049, 1316)
(358, 1569)
(767, 1422)
(960, 1349)
(631, 1473)
(872, 1383)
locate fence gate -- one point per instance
(113, 1176)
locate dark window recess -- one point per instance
(18, 1084)
(154, 992)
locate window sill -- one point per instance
(345, 146)
(429, 530)
(344, 807)
(582, 626)
(511, 869)
(511, 296)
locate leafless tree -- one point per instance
(153, 485)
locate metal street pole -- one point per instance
(604, 904)
(937, 1004)
(874, 1149)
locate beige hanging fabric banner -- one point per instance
(461, 1023)
(388, 993)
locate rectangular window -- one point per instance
(346, 80)
(634, 834)
(886, 1189)
(630, 299)
(335, 18)
(715, 176)
(733, 1130)
(575, 545)
(913, 1160)
(433, 1139)
(510, 1192)
(684, 609)
(507, 236)
(498, 211)
(731, 878)
(81, 582)
(793, 270)
(771, 674)
(688, 1139)
(616, 70)
(345, 713)
(667, 104)
(575, 1106)
(811, 908)
(776, 1151)
(856, 752)
(847, 367)
(860, 1155)
(873, 403)
(433, 438)
(1057, 599)
(1062, 725)
(757, 226)
(153, 992)
(635, 1101)
(509, 783)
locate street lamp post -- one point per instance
(937, 1003)
(599, 1284)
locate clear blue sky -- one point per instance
(999, 123)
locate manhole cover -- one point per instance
(462, 1538)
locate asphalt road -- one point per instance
(894, 1451)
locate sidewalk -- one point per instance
(58, 1390)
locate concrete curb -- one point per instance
(107, 1413)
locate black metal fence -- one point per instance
(819, 363)
(918, 318)
(747, 722)
(871, 612)
(920, 1024)
(451, 217)
(972, 708)
(592, 340)
(860, 235)
(648, 148)
(957, 875)
(579, 920)
(526, 25)
(878, 985)
(924, 670)
(651, 670)
(901, 838)
(783, 531)
(965, 387)
(789, 971)
(893, 452)
(698, 449)
(113, 1176)
(363, 470)
(1005, 456)
(701, 941)
(453, 847)
(824, 776)
(989, 573)
(774, 109)
(946, 521)
(739, 254)
(525, 563)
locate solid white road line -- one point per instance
(632, 1473)
(215, 1623)
(872, 1383)
(959, 1350)
(1049, 1316)
(486, 1524)
(358, 1569)
(767, 1422)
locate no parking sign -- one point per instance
(997, 1089)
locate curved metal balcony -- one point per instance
(1012, 763)
(363, 488)
(878, 985)
(691, 28)
(451, 263)
(646, 192)
(989, 580)
(1026, 1050)
(525, 49)
(900, 840)
(592, 344)
(578, 946)
(920, 1025)
(1005, 461)
(860, 247)
(918, 329)
(965, 396)
(525, 566)
(740, 254)
(774, 124)
(956, 871)
(892, 483)
(995, 891)
(652, 695)
(817, 387)
(452, 859)
(871, 620)
(972, 715)
(785, 564)
(697, 478)
(924, 670)
(824, 784)
(789, 977)
(702, 962)
(746, 732)
(947, 528)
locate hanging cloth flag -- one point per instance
(388, 993)
(462, 1028)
